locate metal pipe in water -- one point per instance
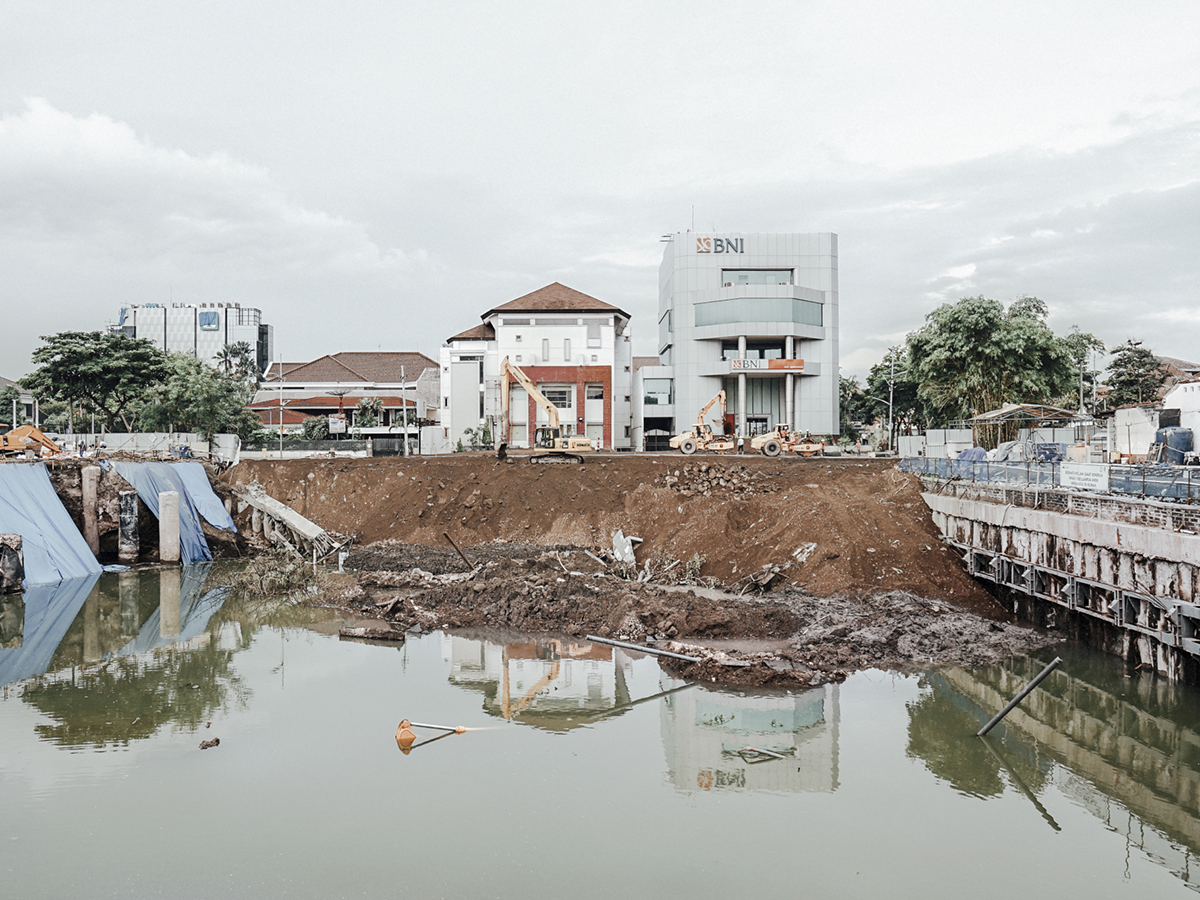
(1017, 699)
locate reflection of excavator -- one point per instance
(27, 439)
(550, 445)
(702, 436)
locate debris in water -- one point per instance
(205, 745)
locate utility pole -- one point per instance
(404, 408)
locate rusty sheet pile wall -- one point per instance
(1130, 589)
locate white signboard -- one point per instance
(1084, 476)
(337, 424)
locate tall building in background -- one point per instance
(755, 314)
(200, 329)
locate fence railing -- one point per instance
(1157, 481)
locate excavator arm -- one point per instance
(506, 369)
(720, 398)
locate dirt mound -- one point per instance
(786, 638)
(837, 526)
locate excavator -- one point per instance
(27, 440)
(550, 445)
(702, 437)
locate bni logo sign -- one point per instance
(720, 245)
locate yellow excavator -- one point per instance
(550, 445)
(702, 437)
(27, 440)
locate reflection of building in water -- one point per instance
(547, 683)
(1130, 747)
(704, 731)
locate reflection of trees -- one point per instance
(130, 698)
(127, 698)
(941, 733)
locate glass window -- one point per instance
(567, 349)
(759, 309)
(659, 391)
(560, 396)
(737, 277)
(595, 392)
(593, 334)
(545, 349)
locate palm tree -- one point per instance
(226, 357)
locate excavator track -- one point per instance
(557, 459)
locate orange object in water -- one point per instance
(405, 737)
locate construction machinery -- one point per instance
(702, 437)
(550, 445)
(775, 441)
(28, 440)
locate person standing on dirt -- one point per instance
(741, 444)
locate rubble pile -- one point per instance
(708, 479)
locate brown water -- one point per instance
(592, 775)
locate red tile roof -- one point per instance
(556, 298)
(290, 416)
(356, 366)
(483, 332)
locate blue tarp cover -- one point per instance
(53, 547)
(196, 498)
(49, 611)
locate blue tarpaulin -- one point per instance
(196, 499)
(49, 611)
(53, 547)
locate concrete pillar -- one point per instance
(168, 602)
(268, 527)
(789, 381)
(127, 591)
(91, 626)
(128, 539)
(256, 520)
(91, 508)
(12, 564)
(741, 407)
(168, 526)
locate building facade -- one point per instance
(406, 386)
(755, 314)
(574, 347)
(199, 329)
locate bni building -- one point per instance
(755, 314)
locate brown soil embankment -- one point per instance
(838, 526)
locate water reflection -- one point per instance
(552, 684)
(113, 658)
(705, 735)
(558, 685)
(1127, 749)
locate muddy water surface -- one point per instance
(592, 773)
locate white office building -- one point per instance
(200, 329)
(575, 348)
(755, 314)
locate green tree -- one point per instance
(1135, 375)
(1079, 346)
(110, 371)
(974, 355)
(892, 391)
(852, 403)
(367, 413)
(10, 393)
(316, 428)
(197, 397)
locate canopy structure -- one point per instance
(1028, 414)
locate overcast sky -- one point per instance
(374, 175)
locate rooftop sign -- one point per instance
(720, 245)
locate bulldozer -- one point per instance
(550, 445)
(27, 440)
(702, 437)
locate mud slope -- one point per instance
(845, 525)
